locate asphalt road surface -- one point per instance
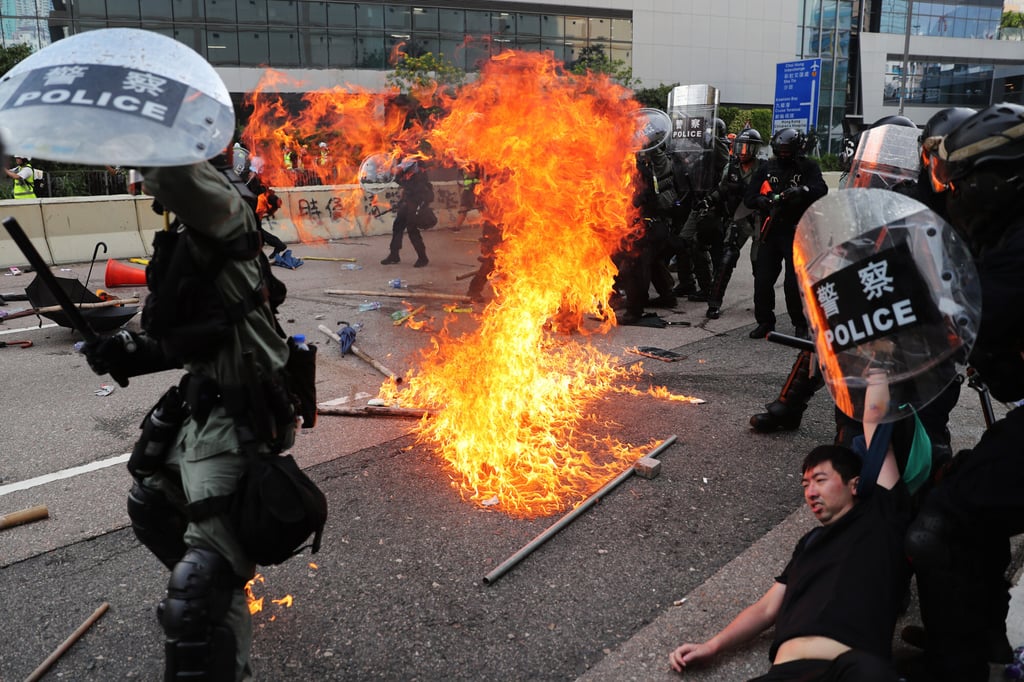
(397, 592)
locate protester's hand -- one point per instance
(689, 654)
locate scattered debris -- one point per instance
(657, 353)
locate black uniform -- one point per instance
(412, 215)
(790, 186)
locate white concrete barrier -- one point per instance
(66, 230)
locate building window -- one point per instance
(318, 33)
(935, 84)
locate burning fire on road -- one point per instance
(515, 401)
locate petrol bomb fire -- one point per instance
(326, 139)
(518, 394)
(514, 402)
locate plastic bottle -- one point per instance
(398, 284)
(370, 305)
(300, 341)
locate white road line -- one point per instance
(66, 473)
(26, 329)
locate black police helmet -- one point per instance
(787, 143)
(995, 133)
(943, 122)
(747, 143)
(894, 120)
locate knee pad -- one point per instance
(928, 541)
(157, 523)
(199, 646)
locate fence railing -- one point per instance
(88, 183)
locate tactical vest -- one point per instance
(185, 310)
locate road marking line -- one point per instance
(26, 329)
(66, 473)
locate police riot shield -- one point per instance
(693, 109)
(654, 127)
(376, 173)
(885, 156)
(117, 96)
(888, 286)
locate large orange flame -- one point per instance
(516, 398)
(324, 138)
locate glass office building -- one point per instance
(874, 62)
(285, 34)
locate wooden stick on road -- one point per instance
(404, 293)
(331, 259)
(56, 308)
(24, 516)
(366, 357)
(38, 673)
(374, 411)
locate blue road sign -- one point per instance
(796, 95)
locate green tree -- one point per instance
(592, 58)
(1012, 20)
(10, 56)
(424, 72)
(655, 98)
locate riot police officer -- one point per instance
(781, 190)
(742, 222)
(959, 542)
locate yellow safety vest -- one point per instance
(25, 189)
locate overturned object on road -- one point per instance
(105, 318)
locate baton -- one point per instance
(75, 316)
(791, 341)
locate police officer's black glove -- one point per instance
(794, 193)
(125, 354)
(764, 203)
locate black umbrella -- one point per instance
(100, 319)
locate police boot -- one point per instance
(786, 412)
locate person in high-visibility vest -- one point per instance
(467, 199)
(24, 177)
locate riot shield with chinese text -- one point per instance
(693, 109)
(888, 286)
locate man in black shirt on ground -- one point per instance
(835, 605)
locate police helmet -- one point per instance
(894, 120)
(938, 126)
(747, 143)
(406, 168)
(943, 122)
(787, 143)
(994, 134)
(720, 128)
(980, 161)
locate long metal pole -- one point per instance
(507, 565)
(906, 53)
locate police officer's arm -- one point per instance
(750, 623)
(752, 196)
(814, 181)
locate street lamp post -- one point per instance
(906, 54)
